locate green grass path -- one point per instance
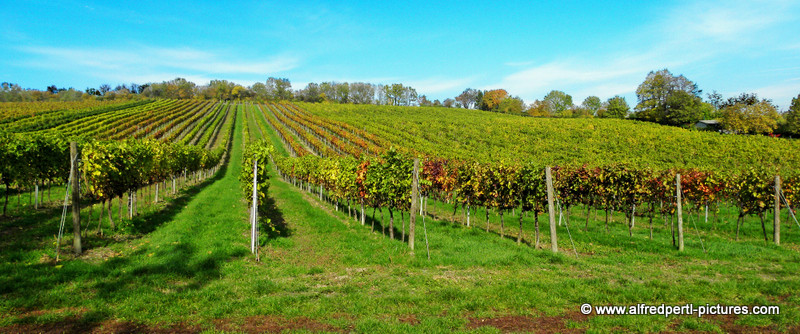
(151, 279)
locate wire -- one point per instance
(64, 209)
(791, 212)
(698, 233)
(567, 225)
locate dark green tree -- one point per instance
(667, 99)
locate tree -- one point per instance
(654, 96)
(448, 103)
(92, 91)
(398, 95)
(424, 102)
(511, 105)
(715, 99)
(136, 88)
(179, 88)
(761, 117)
(104, 88)
(219, 90)
(615, 107)
(362, 93)
(743, 98)
(342, 92)
(491, 99)
(279, 89)
(537, 109)
(312, 93)
(468, 99)
(239, 92)
(581, 112)
(683, 108)
(592, 103)
(793, 116)
(558, 103)
(259, 90)
(409, 96)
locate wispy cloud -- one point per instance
(146, 63)
(781, 93)
(689, 34)
(615, 75)
(439, 85)
(729, 22)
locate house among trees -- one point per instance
(708, 125)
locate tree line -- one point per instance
(662, 98)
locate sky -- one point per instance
(440, 48)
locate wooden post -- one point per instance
(414, 203)
(551, 209)
(777, 223)
(76, 198)
(254, 208)
(680, 212)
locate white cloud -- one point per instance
(728, 22)
(782, 93)
(615, 75)
(689, 35)
(148, 64)
(439, 85)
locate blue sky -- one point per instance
(527, 47)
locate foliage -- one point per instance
(667, 99)
(491, 99)
(615, 107)
(761, 117)
(468, 99)
(743, 98)
(511, 105)
(558, 103)
(258, 154)
(793, 116)
(112, 168)
(592, 103)
(682, 109)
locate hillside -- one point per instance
(487, 136)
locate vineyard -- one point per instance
(162, 140)
(500, 167)
(384, 218)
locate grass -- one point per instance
(191, 267)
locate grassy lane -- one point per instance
(169, 274)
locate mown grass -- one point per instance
(193, 266)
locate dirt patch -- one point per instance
(521, 323)
(410, 319)
(729, 325)
(273, 324)
(39, 313)
(259, 324)
(80, 325)
(99, 254)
